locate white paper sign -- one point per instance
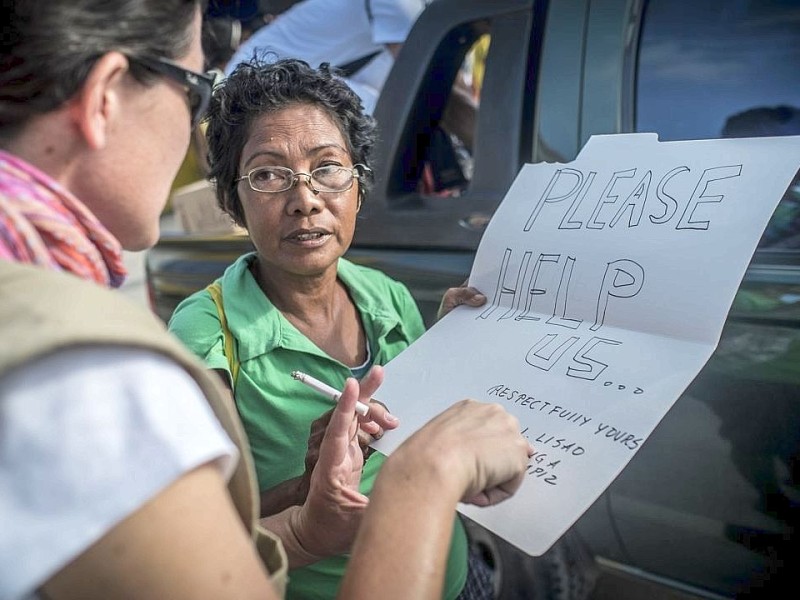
(609, 280)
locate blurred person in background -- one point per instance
(359, 37)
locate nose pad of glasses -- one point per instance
(308, 182)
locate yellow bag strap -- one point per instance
(215, 291)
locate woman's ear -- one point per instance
(99, 100)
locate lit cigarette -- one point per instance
(326, 390)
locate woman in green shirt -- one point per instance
(289, 151)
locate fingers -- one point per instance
(481, 450)
(371, 426)
(370, 383)
(342, 426)
(499, 476)
(497, 494)
(460, 295)
(378, 418)
(471, 296)
(364, 439)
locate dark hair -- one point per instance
(50, 46)
(258, 87)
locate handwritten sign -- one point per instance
(609, 280)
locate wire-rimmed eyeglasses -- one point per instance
(330, 178)
(198, 86)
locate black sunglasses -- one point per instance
(198, 85)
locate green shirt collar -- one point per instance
(259, 327)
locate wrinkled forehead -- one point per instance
(295, 130)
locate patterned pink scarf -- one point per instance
(44, 224)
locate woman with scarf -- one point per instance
(117, 445)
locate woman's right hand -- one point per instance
(371, 427)
(327, 522)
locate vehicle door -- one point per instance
(712, 498)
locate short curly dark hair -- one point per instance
(258, 87)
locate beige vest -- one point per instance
(43, 311)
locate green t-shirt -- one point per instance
(276, 410)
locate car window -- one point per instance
(724, 68)
(448, 148)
